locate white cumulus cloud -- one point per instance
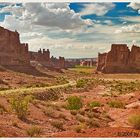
(99, 9)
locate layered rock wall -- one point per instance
(12, 52)
(120, 59)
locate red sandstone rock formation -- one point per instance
(43, 57)
(120, 59)
(12, 52)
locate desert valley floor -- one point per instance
(78, 102)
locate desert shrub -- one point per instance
(91, 123)
(61, 80)
(135, 121)
(95, 104)
(116, 104)
(20, 106)
(50, 94)
(49, 112)
(78, 128)
(74, 103)
(121, 87)
(92, 114)
(73, 112)
(57, 124)
(63, 116)
(2, 109)
(82, 83)
(33, 131)
(82, 112)
(80, 118)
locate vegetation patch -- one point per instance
(95, 104)
(91, 123)
(33, 131)
(135, 121)
(122, 87)
(20, 106)
(57, 124)
(74, 103)
(116, 104)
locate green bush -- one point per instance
(20, 106)
(116, 104)
(81, 83)
(33, 131)
(95, 104)
(74, 103)
(135, 121)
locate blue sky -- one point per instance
(73, 29)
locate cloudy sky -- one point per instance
(73, 30)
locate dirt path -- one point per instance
(33, 89)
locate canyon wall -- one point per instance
(12, 52)
(120, 59)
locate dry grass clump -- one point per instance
(116, 104)
(49, 112)
(91, 123)
(33, 131)
(57, 124)
(80, 118)
(95, 104)
(135, 121)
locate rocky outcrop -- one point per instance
(120, 59)
(44, 58)
(12, 52)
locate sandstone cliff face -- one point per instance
(120, 59)
(43, 57)
(12, 52)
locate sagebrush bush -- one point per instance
(20, 106)
(91, 123)
(33, 131)
(135, 121)
(57, 124)
(74, 103)
(116, 104)
(49, 112)
(95, 104)
(80, 118)
(82, 83)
